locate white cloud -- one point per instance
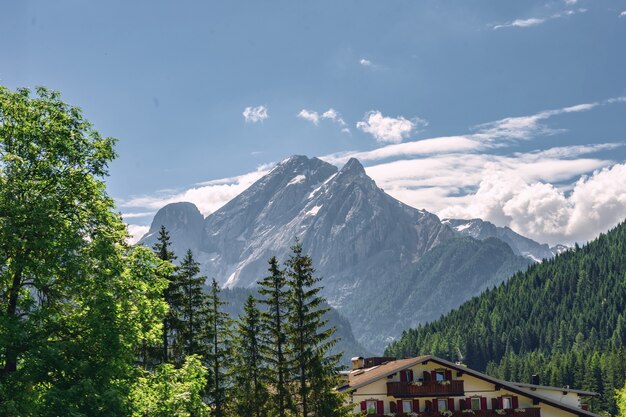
(332, 114)
(137, 214)
(534, 21)
(208, 196)
(309, 115)
(570, 2)
(366, 62)
(542, 211)
(136, 232)
(521, 23)
(255, 114)
(622, 14)
(389, 129)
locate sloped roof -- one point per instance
(360, 378)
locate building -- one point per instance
(430, 385)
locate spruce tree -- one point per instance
(163, 252)
(248, 370)
(274, 295)
(192, 307)
(310, 339)
(217, 349)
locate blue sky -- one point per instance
(509, 110)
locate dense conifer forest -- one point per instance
(562, 319)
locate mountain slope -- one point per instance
(346, 342)
(563, 318)
(481, 229)
(360, 238)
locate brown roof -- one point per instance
(361, 377)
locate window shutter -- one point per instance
(515, 402)
(429, 406)
(416, 406)
(426, 376)
(380, 407)
(448, 375)
(392, 407)
(363, 405)
(494, 403)
(433, 375)
(410, 378)
(402, 376)
(483, 403)
(451, 404)
(500, 402)
(399, 406)
(463, 402)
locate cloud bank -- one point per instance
(556, 195)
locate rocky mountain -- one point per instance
(363, 242)
(481, 230)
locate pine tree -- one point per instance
(217, 345)
(192, 308)
(275, 297)
(248, 370)
(309, 339)
(163, 252)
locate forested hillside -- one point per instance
(562, 319)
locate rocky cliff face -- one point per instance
(362, 241)
(481, 230)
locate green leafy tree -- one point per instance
(248, 370)
(192, 308)
(75, 301)
(310, 339)
(217, 349)
(275, 297)
(171, 391)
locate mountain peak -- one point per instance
(353, 166)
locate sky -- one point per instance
(513, 111)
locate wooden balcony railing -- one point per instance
(425, 389)
(523, 412)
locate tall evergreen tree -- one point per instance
(309, 338)
(275, 297)
(249, 372)
(192, 308)
(162, 250)
(217, 354)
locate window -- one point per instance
(440, 375)
(475, 404)
(371, 407)
(507, 402)
(407, 406)
(442, 405)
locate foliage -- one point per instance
(191, 309)
(248, 370)
(75, 301)
(275, 298)
(217, 355)
(620, 397)
(170, 391)
(309, 339)
(562, 319)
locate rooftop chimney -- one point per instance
(358, 362)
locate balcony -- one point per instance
(520, 412)
(425, 389)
